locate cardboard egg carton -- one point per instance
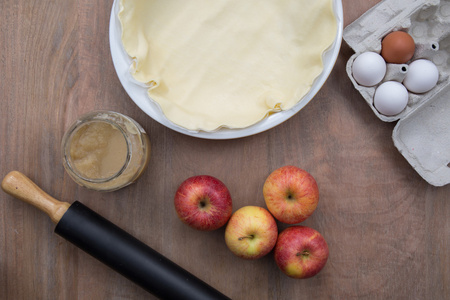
(422, 133)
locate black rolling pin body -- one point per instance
(130, 257)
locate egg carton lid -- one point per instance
(422, 136)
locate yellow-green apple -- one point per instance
(251, 232)
(203, 202)
(301, 252)
(291, 194)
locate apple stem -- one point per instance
(303, 253)
(246, 237)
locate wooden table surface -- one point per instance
(388, 230)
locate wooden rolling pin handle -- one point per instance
(21, 187)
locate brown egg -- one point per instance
(397, 47)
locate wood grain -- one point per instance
(388, 230)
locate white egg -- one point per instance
(369, 68)
(422, 76)
(391, 98)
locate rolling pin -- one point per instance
(111, 245)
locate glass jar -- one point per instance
(105, 150)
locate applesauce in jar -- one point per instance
(105, 150)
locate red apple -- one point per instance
(291, 194)
(301, 252)
(203, 202)
(251, 232)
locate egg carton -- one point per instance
(422, 133)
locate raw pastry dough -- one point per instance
(226, 63)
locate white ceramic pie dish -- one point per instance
(138, 93)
